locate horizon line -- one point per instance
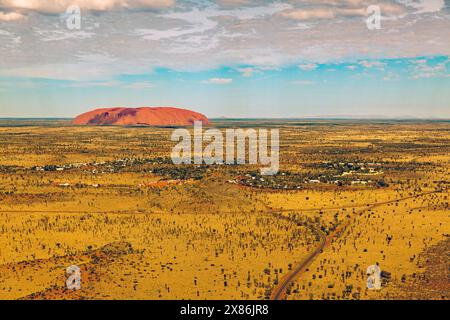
(411, 118)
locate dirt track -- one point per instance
(279, 293)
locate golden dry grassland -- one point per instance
(109, 200)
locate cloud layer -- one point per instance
(136, 36)
(58, 6)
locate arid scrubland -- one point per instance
(109, 200)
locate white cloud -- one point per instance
(425, 6)
(327, 10)
(308, 14)
(308, 66)
(234, 3)
(11, 16)
(196, 36)
(248, 72)
(221, 81)
(372, 64)
(83, 67)
(61, 34)
(140, 85)
(60, 6)
(200, 21)
(422, 69)
(73, 72)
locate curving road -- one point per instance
(279, 293)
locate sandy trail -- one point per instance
(279, 293)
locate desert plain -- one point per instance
(349, 194)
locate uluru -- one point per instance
(145, 116)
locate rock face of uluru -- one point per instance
(146, 116)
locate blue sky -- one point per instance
(231, 58)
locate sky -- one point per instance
(226, 58)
